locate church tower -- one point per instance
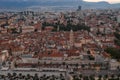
(58, 28)
(71, 38)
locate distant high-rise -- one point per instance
(79, 8)
(118, 19)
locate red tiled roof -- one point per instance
(106, 54)
(49, 55)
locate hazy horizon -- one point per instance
(110, 1)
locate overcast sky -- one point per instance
(110, 1)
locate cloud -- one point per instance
(40, 0)
(110, 1)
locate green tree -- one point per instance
(114, 52)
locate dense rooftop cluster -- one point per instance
(74, 41)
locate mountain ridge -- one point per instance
(84, 4)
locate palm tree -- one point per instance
(118, 68)
(3, 77)
(99, 77)
(53, 77)
(9, 63)
(20, 75)
(3, 63)
(61, 76)
(28, 76)
(118, 75)
(15, 65)
(80, 76)
(23, 77)
(105, 77)
(92, 77)
(85, 78)
(83, 66)
(44, 63)
(113, 76)
(8, 75)
(36, 77)
(14, 75)
(64, 64)
(44, 77)
(39, 65)
(77, 65)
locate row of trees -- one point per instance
(92, 77)
(67, 27)
(15, 76)
(114, 52)
(117, 40)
